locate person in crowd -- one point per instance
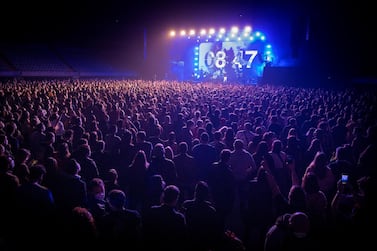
(261, 210)
(71, 190)
(187, 173)
(89, 169)
(154, 189)
(22, 163)
(142, 143)
(120, 226)
(311, 151)
(368, 155)
(204, 155)
(136, 181)
(326, 179)
(279, 168)
(203, 226)
(159, 164)
(9, 184)
(36, 209)
(82, 230)
(218, 143)
(96, 204)
(222, 184)
(111, 180)
(340, 164)
(317, 205)
(290, 232)
(262, 154)
(27, 111)
(244, 169)
(186, 133)
(171, 141)
(164, 226)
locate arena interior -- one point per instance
(188, 126)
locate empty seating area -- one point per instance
(83, 61)
(41, 60)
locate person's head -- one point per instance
(292, 142)
(22, 155)
(37, 173)
(159, 151)
(320, 159)
(197, 114)
(299, 224)
(169, 153)
(262, 148)
(63, 150)
(292, 121)
(190, 123)
(116, 199)
(238, 144)
(72, 167)
(315, 144)
(204, 137)
(183, 147)
(170, 195)
(156, 183)
(141, 136)
(99, 146)
(50, 137)
(140, 159)
(225, 155)
(112, 175)
(277, 146)
(6, 163)
(201, 191)
(127, 137)
(297, 198)
(172, 137)
(84, 151)
(274, 119)
(341, 153)
(229, 133)
(292, 132)
(310, 183)
(83, 223)
(320, 164)
(68, 134)
(51, 165)
(248, 126)
(217, 135)
(96, 188)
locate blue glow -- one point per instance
(212, 52)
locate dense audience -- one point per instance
(167, 165)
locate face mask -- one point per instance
(299, 235)
(100, 196)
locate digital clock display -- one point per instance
(230, 60)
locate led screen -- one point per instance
(233, 60)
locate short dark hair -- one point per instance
(170, 194)
(117, 198)
(37, 171)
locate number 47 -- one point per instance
(252, 53)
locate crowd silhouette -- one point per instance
(165, 165)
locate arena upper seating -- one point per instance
(42, 60)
